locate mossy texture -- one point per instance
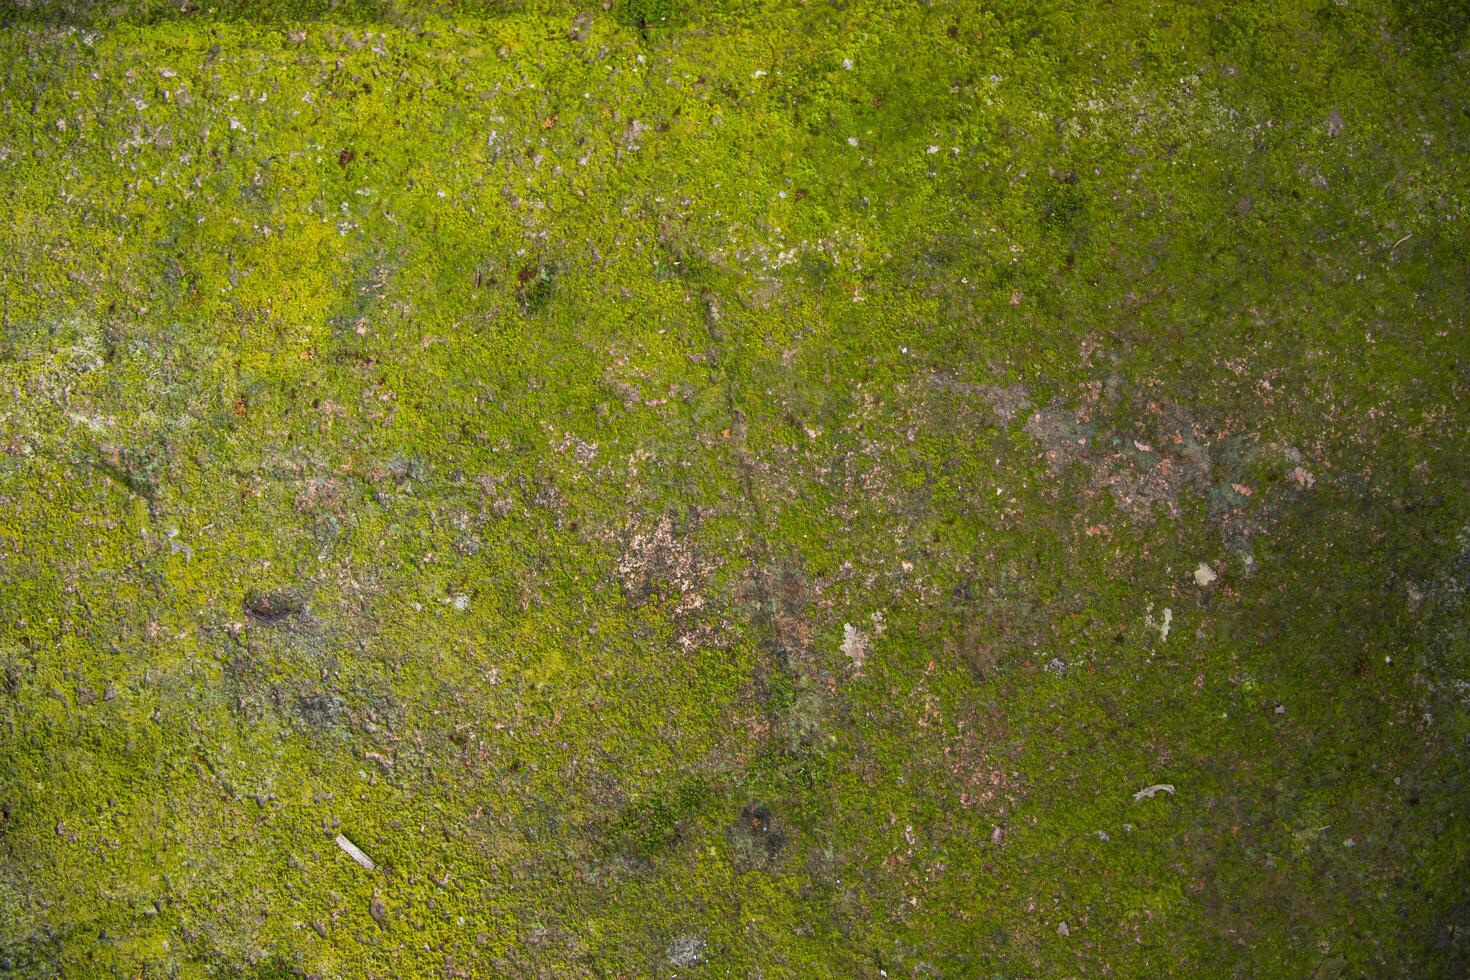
(735, 489)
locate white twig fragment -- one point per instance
(1149, 792)
(355, 853)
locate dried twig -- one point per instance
(355, 852)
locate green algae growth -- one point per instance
(735, 489)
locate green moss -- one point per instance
(645, 14)
(731, 478)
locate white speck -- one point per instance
(847, 64)
(932, 150)
(88, 421)
(854, 645)
(1062, 929)
(1281, 709)
(1204, 575)
(461, 602)
(758, 73)
(852, 141)
(1149, 792)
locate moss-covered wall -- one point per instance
(735, 489)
